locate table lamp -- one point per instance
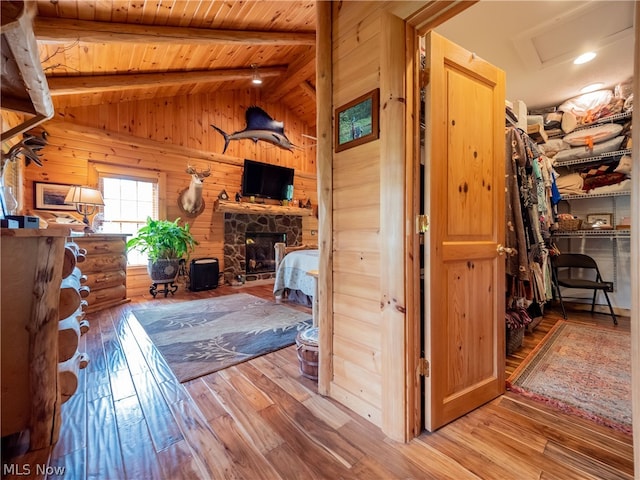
(86, 200)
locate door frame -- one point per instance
(417, 25)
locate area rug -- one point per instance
(204, 336)
(582, 370)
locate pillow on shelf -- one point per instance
(591, 136)
(569, 122)
(588, 106)
(552, 147)
(586, 152)
(624, 166)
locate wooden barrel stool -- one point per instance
(307, 346)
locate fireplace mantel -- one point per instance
(260, 208)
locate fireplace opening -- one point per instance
(259, 251)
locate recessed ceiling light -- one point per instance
(584, 58)
(592, 88)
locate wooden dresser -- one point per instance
(33, 268)
(105, 266)
(44, 298)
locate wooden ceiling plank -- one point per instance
(135, 11)
(86, 10)
(60, 30)
(164, 12)
(189, 12)
(103, 9)
(74, 85)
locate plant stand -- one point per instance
(169, 288)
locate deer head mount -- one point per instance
(190, 199)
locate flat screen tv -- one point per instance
(266, 181)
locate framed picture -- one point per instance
(600, 220)
(357, 122)
(50, 196)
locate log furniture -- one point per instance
(105, 268)
(42, 320)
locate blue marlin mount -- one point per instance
(260, 126)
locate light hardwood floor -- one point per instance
(131, 419)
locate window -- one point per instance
(130, 196)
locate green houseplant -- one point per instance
(165, 242)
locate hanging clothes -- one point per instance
(528, 212)
(517, 265)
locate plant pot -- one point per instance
(163, 270)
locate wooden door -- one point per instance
(464, 198)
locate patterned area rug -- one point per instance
(582, 370)
(203, 336)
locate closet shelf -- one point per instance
(595, 195)
(594, 233)
(598, 158)
(617, 117)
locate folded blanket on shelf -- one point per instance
(570, 184)
(623, 186)
(597, 181)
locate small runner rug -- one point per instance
(582, 370)
(204, 336)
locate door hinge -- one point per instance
(422, 223)
(424, 78)
(423, 367)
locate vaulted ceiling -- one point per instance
(107, 51)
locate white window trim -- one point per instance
(134, 173)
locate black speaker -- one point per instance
(203, 274)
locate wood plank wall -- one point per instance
(164, 136)
(357, 341)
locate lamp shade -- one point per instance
(79, 195)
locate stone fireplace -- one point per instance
(248, 243)
(259, 251)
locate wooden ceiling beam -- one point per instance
(308, 90)
(75, 85)
(298, 72)
(61, 30)
(24, 84)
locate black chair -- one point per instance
(571, 261)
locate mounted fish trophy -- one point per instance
(260, 126)
(190, 199)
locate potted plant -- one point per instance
(165, 243)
